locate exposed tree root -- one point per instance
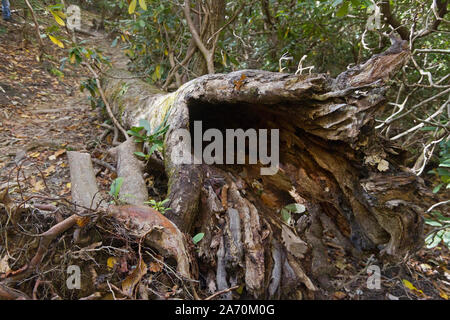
(133, 190)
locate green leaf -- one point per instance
(434, 239)
(141, 154)
(446, 237)
(137, 129)
(342, 12)
(436, 190)
(157, 74)
(136, 133)
(58, 6)
(151, 202)
(198, 237)
(161, 131)
(440, 217)
(286, 215)
(295, 208)
(137, 136)
(428, 129)
(443, 172)
(115, 187)
(240, 289)
(433, 223)
(153, 148)
(146, 125)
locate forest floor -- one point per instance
(43, 114)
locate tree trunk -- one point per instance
(351, 182)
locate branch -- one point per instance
(221, 292)
(422, 124)
(411, 109)
(385, 8)
(432, 51)
(190, 52)
(36, 26)
(439, 9)
(437, 205)
(207, 54)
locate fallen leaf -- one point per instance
(4, 266)
(224, 197)
(392, 297)
(340, 295)
(340, 265)
(239, 83)
(6, 200)
(411, 287)
(133, 279)
(155, 267)
(82, 221)
(111, 262)
(49, 170)
(293, 243)
(383, 166)
(270, 199)
(57, 154)
(39, 186)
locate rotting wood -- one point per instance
(330, 156)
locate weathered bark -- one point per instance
(133, 190)
(331, 161)
(84, 186)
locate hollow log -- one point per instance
(351, 182)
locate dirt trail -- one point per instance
(42, 116)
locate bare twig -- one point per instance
(104, 164)
(36, 26)
(221, 292)
(207, 54)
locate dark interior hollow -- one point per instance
(236, 116)
(228, 116)
(312, 165)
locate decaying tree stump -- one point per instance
(351, 182)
